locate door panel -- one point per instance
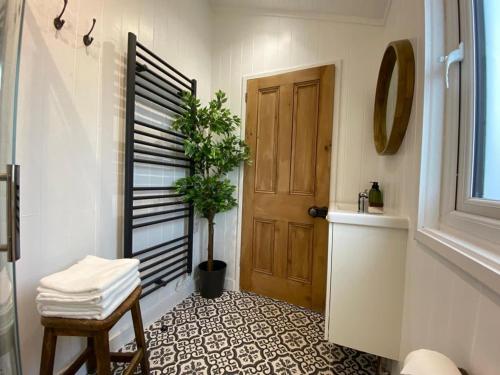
(267, 141)
(305, 121)
(263, 246)
(288, 127)
(300, 251)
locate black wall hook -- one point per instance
(58, 22)
(87, 39)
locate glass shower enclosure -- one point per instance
(11, 18)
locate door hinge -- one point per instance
(246, 97)
(455, 56)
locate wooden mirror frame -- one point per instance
(400, 51)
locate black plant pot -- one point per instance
(212, 282)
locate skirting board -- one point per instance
(230, 284)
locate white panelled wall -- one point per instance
(444, 309)
(70, 140)
(247, 44)
(70, 146)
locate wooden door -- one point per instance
(289, 129)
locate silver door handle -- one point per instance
(12, 179)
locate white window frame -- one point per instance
(463, 230)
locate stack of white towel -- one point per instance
(91, 289)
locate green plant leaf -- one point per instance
(215, 149)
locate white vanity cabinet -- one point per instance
(366, 275)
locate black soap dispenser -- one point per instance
(375, 199)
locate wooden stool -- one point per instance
(97, 354)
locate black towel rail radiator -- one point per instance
(152, 82)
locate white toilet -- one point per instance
(429, 362)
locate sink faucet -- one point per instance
(363, 202)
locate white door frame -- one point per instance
(335, 139)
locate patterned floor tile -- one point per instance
(243, 333)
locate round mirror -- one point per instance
(391, 99)
(394, 96)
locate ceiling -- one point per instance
(370, 10)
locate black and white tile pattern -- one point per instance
(243, 333)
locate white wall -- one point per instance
(70, 144)
(445, 309)
(71, 134)
(249, 44)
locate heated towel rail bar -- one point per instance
(154, 85)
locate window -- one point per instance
(459, 203)
(486, 182)
(478, 189)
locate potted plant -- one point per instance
(215, 149)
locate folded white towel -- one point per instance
(90, 275)
(88, 314)
(93, 305)
(49, 296)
